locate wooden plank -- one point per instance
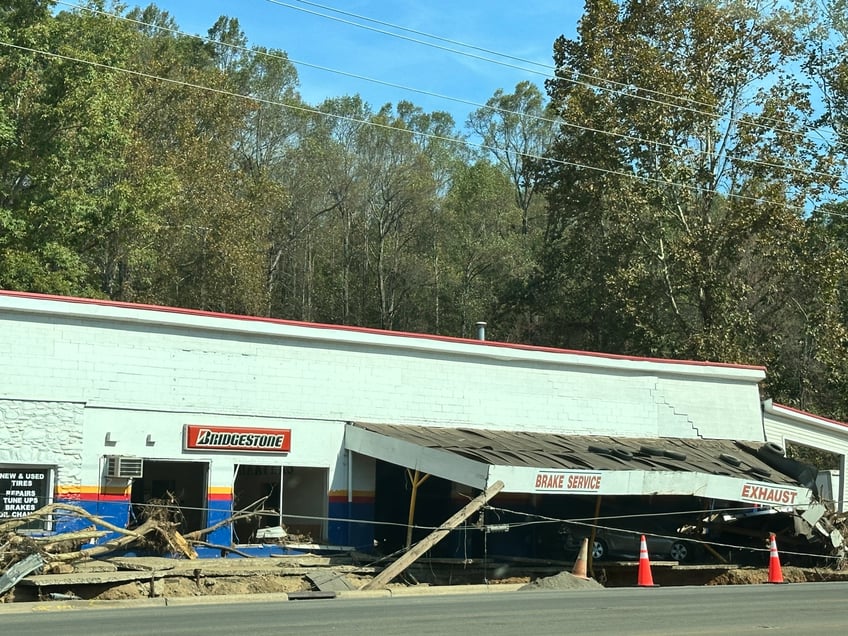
(381, 580)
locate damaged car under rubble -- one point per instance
(656, 485)
(810, 535)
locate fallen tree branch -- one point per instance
(53, 508)
(164, 530)
(174, 540)
(153, 526)
(223, 548)
(245, 513)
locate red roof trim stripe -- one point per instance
(366, 330)
(808, 414)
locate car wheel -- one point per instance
(680, 552)
(599, 550)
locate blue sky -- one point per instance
(524, 30)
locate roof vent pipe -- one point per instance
(481, 330)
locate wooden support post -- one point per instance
(590, 559)
(714, 552)
(383, 578)
(412, 499)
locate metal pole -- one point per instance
(349, 494)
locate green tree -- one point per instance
(66, 147)
(680, 175)
(481, 248)
(517, 128)
(400, 193)
(317, 235)
(811, 372)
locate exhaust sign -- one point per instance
(768, 494)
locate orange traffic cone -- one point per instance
(579, 569)
(775, 574)
(645, 578)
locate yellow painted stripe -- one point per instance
(69, 491)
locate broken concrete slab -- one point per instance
(329, 580)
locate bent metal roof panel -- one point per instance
(568, 464)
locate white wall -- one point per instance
(785, 425)
(128, 431)
(181, 362)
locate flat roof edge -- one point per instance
(107, 310)
(782, 410)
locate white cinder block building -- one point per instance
(110, 405)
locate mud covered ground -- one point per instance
(170, 578)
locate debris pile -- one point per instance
(24, 553)
(814, 535)
(562, 581)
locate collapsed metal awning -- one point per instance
(547, 463)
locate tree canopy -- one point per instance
(676, 189)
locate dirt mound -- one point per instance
(562, 581)
(746, 576)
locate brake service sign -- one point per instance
(236, 438)
(564, 481)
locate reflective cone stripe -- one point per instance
(775, 573)
(579, 569)
(645, 579)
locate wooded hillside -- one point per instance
(676, 190)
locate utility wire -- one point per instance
(592, 522)
(413, 133)
(601, 522)
(553, 122)
(549, 69)
(626, 89)
(532, 518)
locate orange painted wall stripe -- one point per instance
(359, 496)
(356, 493)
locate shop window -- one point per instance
(179, 487)
(293, 498)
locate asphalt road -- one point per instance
(809, 608)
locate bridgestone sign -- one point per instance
(232, 438)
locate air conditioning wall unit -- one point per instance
(124, 467)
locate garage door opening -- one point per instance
(293, 497)
(179, 485)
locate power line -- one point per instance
(592, 522)
(555, 122)
(713, 114)
(413, 133)
(627, 88)
(549, 69)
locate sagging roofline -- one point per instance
(545, 463)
